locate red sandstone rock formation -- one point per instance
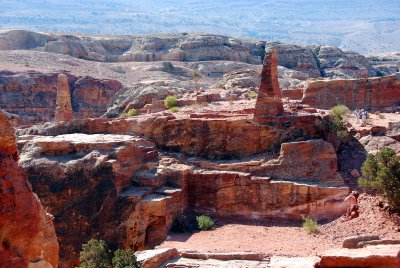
(213, 138)
(370, 93)
(269, 102)
(240, 194)
(63, 100)
(32, 95)
(27, 234)
(387, 256)
(102, 186)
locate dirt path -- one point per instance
(287, 239)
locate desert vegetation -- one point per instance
(130, 113)
(204, 222)
(381, 172)
(96, 254)
(310, 225)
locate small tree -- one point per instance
(125, 259)
(95, 254)
(131, 112)
(340, 110)
(381, 172)
(310, 225)
(170, 102)
(197, 77)
(204, 222)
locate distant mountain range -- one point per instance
(365, 26)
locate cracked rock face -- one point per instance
(27, 233)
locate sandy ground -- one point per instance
(288, 239)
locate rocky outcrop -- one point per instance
(371, 256)
(269, 102)
(386, 63)
(63, 100)
(369, 93)
(372, 144)
(239, 194)
(102, 186)
(32, 95)
(313, 161)
(240, 79)
(336, 63)
(27, 235)
(313, 61)
(179, 47)
(232, 137)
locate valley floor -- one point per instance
(288, 239)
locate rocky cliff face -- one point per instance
(122, 189)
(370, 93)
(313, 61)
(101, 186)
(32, 95)
(209, 137)
(27, 233)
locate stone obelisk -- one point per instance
(269, 101)
(63, 100)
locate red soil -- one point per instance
(288, 239)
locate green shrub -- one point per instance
(125, 259)
(95, 254)
(251, 95)
(381, 172)
(310, 225)
(204, 222)
(131, 112)
(340, 110)
(174, 109)
(170, 102)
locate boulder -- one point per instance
(352, 242)
(156, 257)
(387, 256)
(393, 130)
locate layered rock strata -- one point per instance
(370, 93)
(102, 186)
(63, 100)
(27, 236)
(32, 95)
(209, 137)
(269, 102)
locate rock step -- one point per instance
(185, 262)
(169, 191)
(156, 198)
(149, 178)
(135, 192)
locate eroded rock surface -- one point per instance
(26, 231)
(100, 186)
(32, 95)
(269, 102)
(367, 93)
(63, 100)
